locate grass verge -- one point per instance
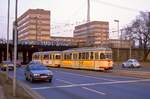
(8, 89)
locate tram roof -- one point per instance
(89, 49)
(46, 52)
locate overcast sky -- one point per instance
(67, 13)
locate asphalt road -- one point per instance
(77, 84)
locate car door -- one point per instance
(128, 63)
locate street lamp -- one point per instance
(15, 49)
(118, 38)
(8, 15)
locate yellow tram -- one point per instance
(79, 58)
(88, 58)
(48, 58)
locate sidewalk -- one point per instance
(2, 96)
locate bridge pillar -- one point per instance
(24, 57)
(30, 56)
(0, 56)
(5, 55)
(10, 52)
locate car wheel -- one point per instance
(2, 69)
(31, 79)
(123, 66)
(132, 66)
(26, 77)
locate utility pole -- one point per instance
(88, 38)
(88, 11)
(118, 39)
(15, 50)
(130, 48)
(8, 15)
(148, 22)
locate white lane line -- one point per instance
(92, 84)
(87, 76)
(92, 90)
(42, 88)
(95, 91)
(67, 82)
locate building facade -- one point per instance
(34, 24)
(94, 33)
(117, 43)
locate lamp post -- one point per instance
(117, 21)
(130, 48)
(88, 10)
(8, 15)
(15, 49)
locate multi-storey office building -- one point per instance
(34, 24)
(94, 33)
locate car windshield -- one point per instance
(132, 60)
(38, 67)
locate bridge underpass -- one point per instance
(26, 49)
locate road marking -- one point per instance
(92, 90)
(95, 91)
(67, 82)
(92, 84)
(87, 76)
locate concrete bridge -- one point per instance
(25, 49)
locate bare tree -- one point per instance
(139, 30)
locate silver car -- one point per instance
(35, 72)
(131, 63)
(4, 65)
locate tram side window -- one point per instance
(102, 56)
(57, 56)
(92, 55)
(50, 56)
(34, 57)
(75, 56)
(80, 55)
(109, 55)
(45, 57)
(38, 57)
(83, 55)
(96, 55)
(68, 56)
(87, 55)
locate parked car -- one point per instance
(131, 63)
(35, 72)
(4, 65)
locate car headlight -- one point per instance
(36, 74)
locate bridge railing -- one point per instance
(46, 43)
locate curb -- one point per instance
(2, 96)
(31, 92)
(138, 74)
